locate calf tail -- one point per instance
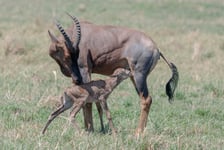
(172, 83)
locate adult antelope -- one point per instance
(103, 48)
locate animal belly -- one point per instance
(108, 67)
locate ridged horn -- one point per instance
(78, 31)
(66, 37)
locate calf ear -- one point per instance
(66, 97)
(53, 38)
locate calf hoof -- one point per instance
(138, 132)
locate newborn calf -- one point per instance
(94, 91)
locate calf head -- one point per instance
(121, 74)
(66, 53)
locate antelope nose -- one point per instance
(75, 79)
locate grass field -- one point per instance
(190, 33)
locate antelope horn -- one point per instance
(53, 38)
(78, 31)
(66, 37)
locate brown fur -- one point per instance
(95, 91)
(103, 48)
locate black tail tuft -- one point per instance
(172, 83)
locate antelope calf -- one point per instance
(95, 91)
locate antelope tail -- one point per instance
(172, 83)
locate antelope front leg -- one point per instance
(87, 108)
(145, 106)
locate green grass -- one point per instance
(190, 33)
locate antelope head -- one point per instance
(66, 53)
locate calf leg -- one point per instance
(107, 111)
(60, 110)
(74, 112)
(87, 111)
(100, 111)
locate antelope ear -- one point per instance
(53, 38)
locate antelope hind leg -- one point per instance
(145, 106)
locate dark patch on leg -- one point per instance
(141, 84)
